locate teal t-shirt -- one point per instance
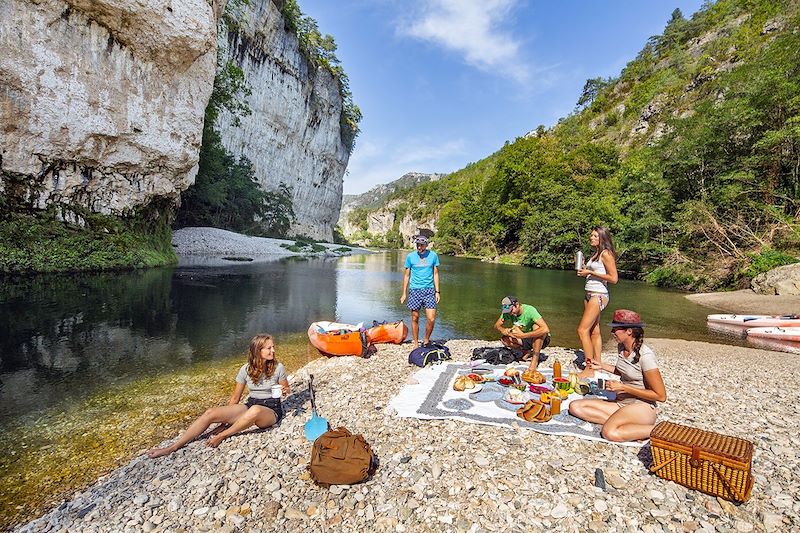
(526, 320)
(421, 269)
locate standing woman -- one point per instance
(260, 373)
(600, 270)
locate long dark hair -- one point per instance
(604, 236)
(256, 366)
(638, 335)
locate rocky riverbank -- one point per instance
(747, 301)
(452, 476)
(215, 242)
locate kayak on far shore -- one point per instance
(756, 321)
(785, 334)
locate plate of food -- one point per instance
(505, 381)
(516, 396)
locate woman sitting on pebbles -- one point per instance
(633, 414)
(262, 373)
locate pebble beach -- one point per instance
(453, 476)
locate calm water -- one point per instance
(62, 337)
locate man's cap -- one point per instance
(507, 303)
(420, 239)
(625, 318)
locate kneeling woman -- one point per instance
(261, 372)
(633, 414)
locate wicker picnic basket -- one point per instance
(716, 464)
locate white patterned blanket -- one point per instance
(430, 395)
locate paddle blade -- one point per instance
(315, 427)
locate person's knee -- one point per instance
(210, 413)
(251, 413)
(612, 433)
(575, 408)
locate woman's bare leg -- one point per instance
(263, 417)
(594, 411)
(589, 322)
(226, 415)
(631, 422)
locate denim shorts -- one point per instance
(272, 403)
(418, 298)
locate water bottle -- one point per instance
(578, 260)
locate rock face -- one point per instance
(292, 135)
(782, 281)
(380, 221)
(102, 101)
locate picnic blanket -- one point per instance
(430, 395)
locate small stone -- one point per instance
(656, 495)
(559, 511)
(219, 515)
(727, 506)
(600, 506)
(743, 527)
(446, 519)
(293, 514)
(141, 499)
(237, 519)
(772, 521)
(615, 480)
(482, 461)
(436, 470)
(336, 489)
(245, 509)
(200, 511)
(148, 526)
(311, 511)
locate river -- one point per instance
(63, 337)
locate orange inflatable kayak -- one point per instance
(334, 339)
(395, 333)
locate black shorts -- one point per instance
(272, 403)
(527, 344)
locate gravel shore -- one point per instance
(453, 476)
(211, 242)
(746, 301)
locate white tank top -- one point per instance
(594, 284)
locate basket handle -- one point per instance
(656, 468)
(736, 494)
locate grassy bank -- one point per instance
(41, 242)
(50, 455)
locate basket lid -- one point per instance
(725, 445)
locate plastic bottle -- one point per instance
(556, 369)
(578, 260)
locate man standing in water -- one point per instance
(421, 287)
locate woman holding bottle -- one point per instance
(599, 271)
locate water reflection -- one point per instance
(63, 336)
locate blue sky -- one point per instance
(443, 83)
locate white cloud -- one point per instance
(376, 162)
(472, 28)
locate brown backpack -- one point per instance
(341, 458)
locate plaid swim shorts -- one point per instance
(418, 298)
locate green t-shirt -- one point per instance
(526, 320)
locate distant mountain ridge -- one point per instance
(378, 195)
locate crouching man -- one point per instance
(522, 328)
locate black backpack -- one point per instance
(429, 354)
(496, 356)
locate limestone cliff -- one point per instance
(102, 101)
(292, 135)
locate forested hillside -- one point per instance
(691, 156)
